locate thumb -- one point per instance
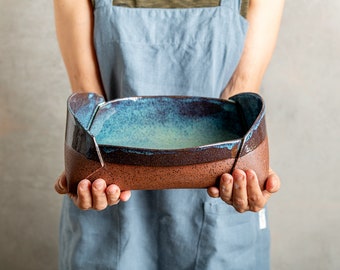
(60, 185)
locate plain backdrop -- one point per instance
(301, 89)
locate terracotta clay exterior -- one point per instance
(152, 169)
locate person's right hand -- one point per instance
(96, 195)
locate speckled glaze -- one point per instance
(164, 142)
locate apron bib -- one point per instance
(155, 51)
(158, 51)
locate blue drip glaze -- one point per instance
(160, 125)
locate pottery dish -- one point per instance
(163, 142)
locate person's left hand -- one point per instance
(241, 189)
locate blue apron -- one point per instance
(142, 51)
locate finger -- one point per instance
(213, 192)
(60, 185)
(240, 199)
(273, 183)
(226, 188)
(125, 195)
(256, 200)
(112, 194)
(99, 199)
(84, 197)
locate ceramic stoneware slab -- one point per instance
(164, 142)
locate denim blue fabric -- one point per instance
(142, 51)
(190, 51)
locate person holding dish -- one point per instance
(194, 48)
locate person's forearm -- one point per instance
(74, 27)
(264, 17)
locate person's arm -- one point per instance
(74, 27)
(241, 189)
(264, 17)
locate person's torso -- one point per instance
(165, 51)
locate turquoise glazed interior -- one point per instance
(166, 122)
(164, 130)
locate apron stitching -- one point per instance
(204, 42)
(200, 238)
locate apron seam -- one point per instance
(157, 43)
(200, 238)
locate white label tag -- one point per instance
(262, 219)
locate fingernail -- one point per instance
(82, 186)
(99, 184)
(112, 190)
(227, 179)
(214, 193)
(252, 176)
(274, 185)
(60, 185)
(239, 176)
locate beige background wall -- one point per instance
(303, 100)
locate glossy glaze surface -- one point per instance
(165, 123)
(171, 142)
